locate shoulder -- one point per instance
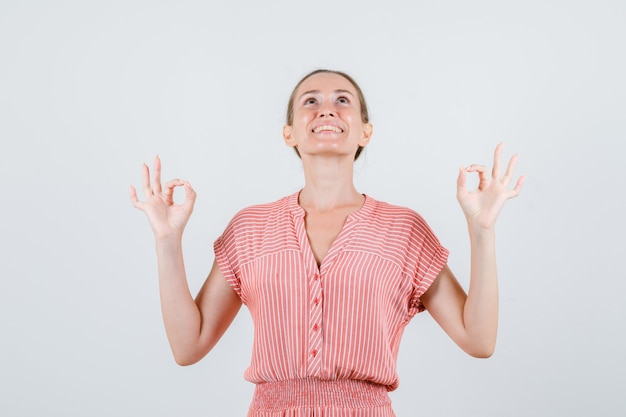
(387, 214)
(402, 235)
(260, 217)
(260, 213)
(260, 229)
(393, 226)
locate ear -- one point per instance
(368, 129)
(288, 136)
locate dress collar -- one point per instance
(366, 209)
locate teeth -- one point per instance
(327, 128)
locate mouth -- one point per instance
(327, 129)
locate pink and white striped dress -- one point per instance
(326, 338)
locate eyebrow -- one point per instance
(318, 92)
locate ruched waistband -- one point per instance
(313, 392)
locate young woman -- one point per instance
(331, 276)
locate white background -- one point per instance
(91, 90)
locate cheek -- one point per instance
(301, 121)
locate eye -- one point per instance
(310, 100)
(343, 100)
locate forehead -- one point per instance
(326, 82)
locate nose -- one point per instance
(327, 110)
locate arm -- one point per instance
(193, 327)
(471, 319)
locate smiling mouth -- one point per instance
(327, 128)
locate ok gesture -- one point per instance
(483, 205)
(166, 218)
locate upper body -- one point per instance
(328, 126)
(341, 318)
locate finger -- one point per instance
(147, 189)
(476, 168)
(156, 178)
(133, 198)
(168, 192)
(483, 178)
(518, 187)
(510, 168)
(190, 195)
(133, 195)
(461, 181)
(497, 155)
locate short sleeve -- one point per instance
(227, 257)
(428, 259)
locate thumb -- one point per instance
(461, 189)
(190, 195)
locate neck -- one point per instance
(328, 184)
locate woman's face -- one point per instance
(327, 118)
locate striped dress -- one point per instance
(326, 338)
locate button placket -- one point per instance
(315, 325)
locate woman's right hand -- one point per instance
(166, 218)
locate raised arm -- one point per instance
(471, 319)
(193, 327)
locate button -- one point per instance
(316, 301)
(314, 352)
(317, 276)
(316, 328)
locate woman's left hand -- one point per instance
(483, 205)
